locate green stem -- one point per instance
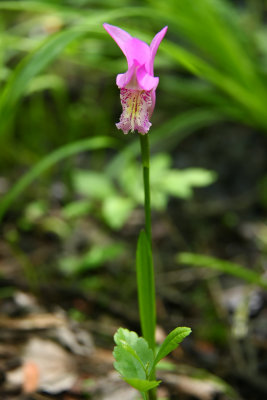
(144, 141)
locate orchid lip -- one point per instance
(135, 115)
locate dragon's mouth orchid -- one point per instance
(137, 85)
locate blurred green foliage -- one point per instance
(58, 95)
(56, 57)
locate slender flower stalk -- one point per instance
(144, 142)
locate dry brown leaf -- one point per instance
(46, 366)
(31, 322)
(201, 389)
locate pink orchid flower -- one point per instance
(137, 85)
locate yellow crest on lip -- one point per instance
(135, 106)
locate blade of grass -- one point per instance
(198, 260)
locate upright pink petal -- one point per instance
(120, 36)
(154, 48)
(138, 51)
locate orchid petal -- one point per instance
(123, 80)
(120, 36)
(146, 81)
(154, 48)
(137, 51)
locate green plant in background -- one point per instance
(136, 357)
(122, 194)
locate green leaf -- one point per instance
(96, 257)
(160, 164)
(92, 184)
(136, 350)
(142, 385)
(180, 183)
(146, 289)
(76, 209)
(171, 342)
(198, 176)
(130, 180)
(164, 181)
(116, 210)
(35, 210)
(127, 364)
